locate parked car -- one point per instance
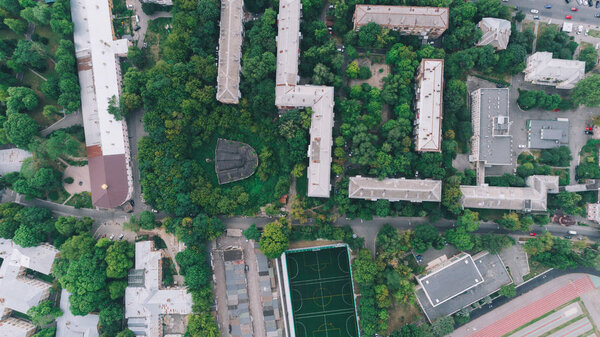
(589, 132)
(136, 28)
(534, 11)
(574, 9)
(112, 237)
(568, 236)
(536, 17)
(521, 146)
(567, 1)
(568, 17)
(548, 6)
(597, 3)
(532, 233)
(121, 236)
(590, 3)
(589, 128)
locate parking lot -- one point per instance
(578, 119)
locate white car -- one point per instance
(521, 146)
(534, 11)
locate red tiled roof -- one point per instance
(112, 172)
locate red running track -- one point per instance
(537, 308)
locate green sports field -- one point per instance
(321, 293)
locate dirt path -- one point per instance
(170, 241)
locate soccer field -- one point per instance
(321, 293)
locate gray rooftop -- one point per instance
(237, 295)
(414, 20)
(542, 69)
(230, 52)
(413, 190)
(494, 275)
(546, 134)
(450, 279)
(495, 32)
(530, 198)
(492, 142)
(234, 161)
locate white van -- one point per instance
(572, 232)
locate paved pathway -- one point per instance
(74, 118)
(525, 308)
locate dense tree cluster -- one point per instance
(587, 91)
(589, 55)
(555, 252)
(559, 43)
(529, 99)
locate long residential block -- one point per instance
(413, 190)
(231, 37)
(428, 119)
(290, 95)
(423, 21)
(99, 71)
(530, 198)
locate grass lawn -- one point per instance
(34, 81)
(528, 26)
(401, 314)
(52, 37)
(535, 268)
(81, 200)
(59, 195)
(156, 34)
(594, 33)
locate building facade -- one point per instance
(427, 22)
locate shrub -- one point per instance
(69, 180)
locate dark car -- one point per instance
(499, 86)
(136, 28)
(597, 3)
(568, 236)
(591, 3)
(567, 1)
(597, 15)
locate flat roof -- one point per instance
(319, 98)
(544, 70)
(69, 325)
(230, 51)
(12, 159)
(15, 327)
(547, 134)
(413, 190)
(99, 79)
(494, 275)
(402, 16)
(430, 88)
(492, 142)
(450, 279)
(531, 198)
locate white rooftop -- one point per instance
(96, 52)
(69, 325)
(416, 18)
(145, 304)
(413, 190)
(14, 327)
(230, 51)
(544, 70)
(428, 121)
(319, 98)
(16, 291)
(495, 32)
(530, 198)
(12, 159)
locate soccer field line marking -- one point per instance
(348, 331)
(345, 271)
(325, 314)
(304, 327)
(322, 301)
(317, 297)
(315, 281)
(297, 268)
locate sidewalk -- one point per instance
(527, 307)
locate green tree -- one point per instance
(44, 313)
(202, 325)
(352, 70)
(111, 318)
(77, 246)
(114, 108)
(510, 221)
(38, 14)
(20, 129)
(119, 259)
(443, 326)
(469, 220)
(508, 290)
(19, 99)
(147, 220)
(252, 233)
(590, 56)
(16, 25)
(569, 202)
(460, 238)
(70, 225)
(275, 239)
(408, 330)
(587, 91)
(28, 54)
(137, 56)
(116, 289)
(364, 270)
(48, 332)
(125, 333)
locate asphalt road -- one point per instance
(559, 10)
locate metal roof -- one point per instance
(531, 198)
(413, 190)
(99, 79)
(492, 142)
(546, 134)
(496, 32)
(544, 70)
(417, 20)
(428, 121)
(319, 98)
(69, 325)
(231, 36)
(234, 161)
